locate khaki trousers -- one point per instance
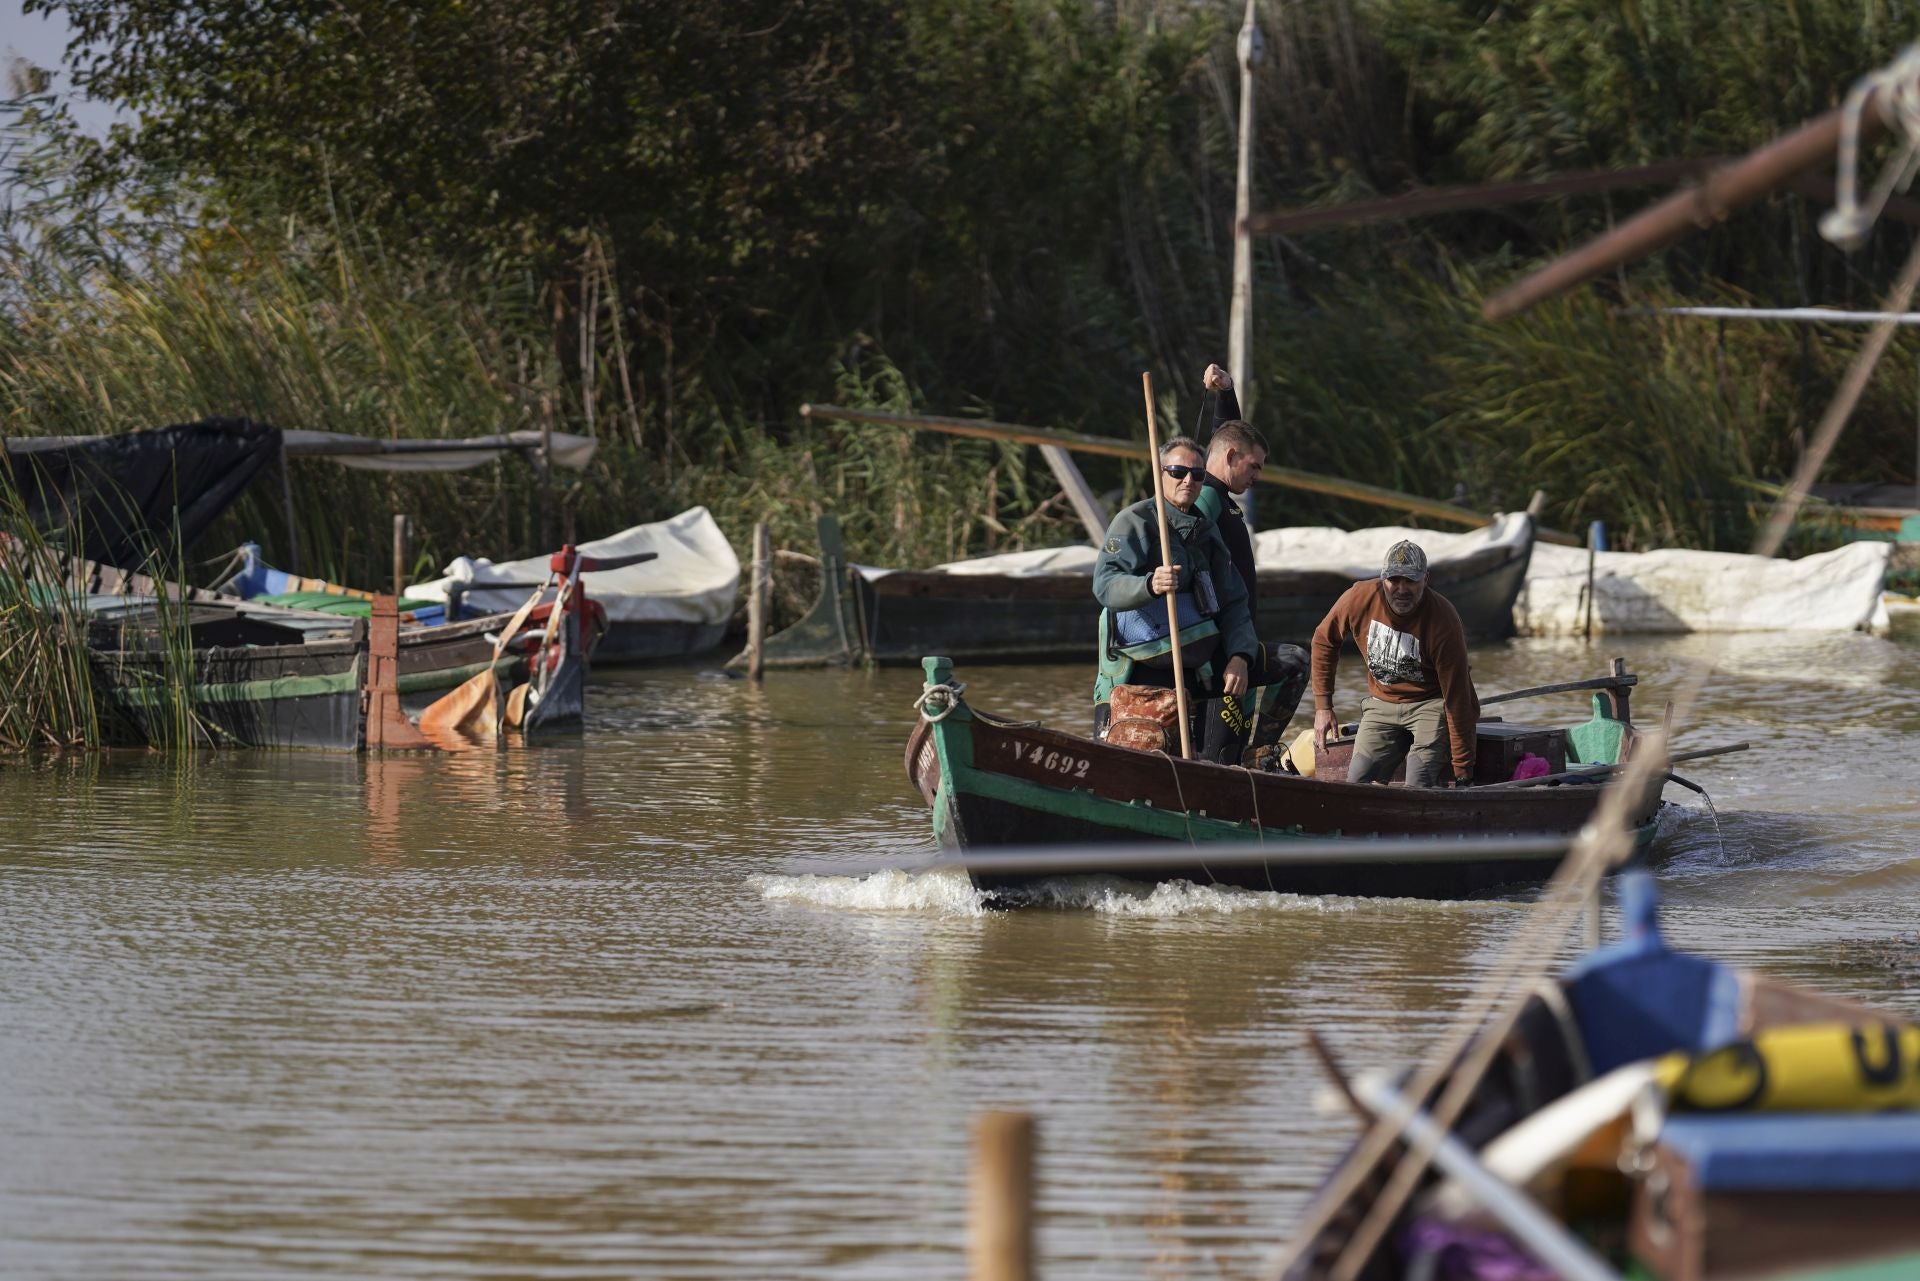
(1392, 732)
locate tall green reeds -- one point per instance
(48, 697)
(309, 333)
(66, 682)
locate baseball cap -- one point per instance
(1404, 560)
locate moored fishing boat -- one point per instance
(1040, 605)
(992, 782)
(667, 588)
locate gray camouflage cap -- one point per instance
(1404, 560)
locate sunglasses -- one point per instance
(1180, 471)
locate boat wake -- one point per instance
(1113, 896)
(949, 893)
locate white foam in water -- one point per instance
(888, 890)
(1115, 897)
(950, 893)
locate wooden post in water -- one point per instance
(385, 726)
(757, 600)
(1000, 1219)
(401, 528)
(1596, 534)
(286, 500)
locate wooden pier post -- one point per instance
(757, 601)
(1596, 535)
(386, 727)
(402, 527)
(1000, 1225)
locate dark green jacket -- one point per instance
(1132, 550)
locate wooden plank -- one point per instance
(1092, 512)
(1287, 477)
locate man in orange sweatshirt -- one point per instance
(1419, 686)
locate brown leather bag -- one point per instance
(1144, 717)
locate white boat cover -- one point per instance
(1674, 590)
(694, 580)
(1077, 559)
(1668, 590)
(1358, 552)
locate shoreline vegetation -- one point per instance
(670, 231)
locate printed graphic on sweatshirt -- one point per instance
(1393, 657)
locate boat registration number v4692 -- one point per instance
(1050, 759)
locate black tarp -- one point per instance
(118, 499)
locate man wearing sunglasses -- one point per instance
(1217, 642)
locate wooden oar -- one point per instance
(1607, 771)
(1166, 558)
(1561, 687)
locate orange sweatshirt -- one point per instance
(1410, 657)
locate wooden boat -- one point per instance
(1039, 605)
(1650, 1111)
(262, 675)
(992, 782)
(667, 588)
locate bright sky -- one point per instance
(41, 39)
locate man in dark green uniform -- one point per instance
(1218, 647)
(1235, 454)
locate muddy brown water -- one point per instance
(572, 1012)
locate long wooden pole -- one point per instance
(1166, 558)
(1287, 477)
(1718, 196)
(757, 602)
(1240, 309)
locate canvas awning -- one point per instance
(375, 453)
(368, 453)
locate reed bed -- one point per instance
(58, 691)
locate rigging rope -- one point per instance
(1898, 85)
(944, 695)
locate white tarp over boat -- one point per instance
(1043, 560)
(1358, 552)
(1669, 590)
(694, 579)
(1309, 547)
(1673, 590)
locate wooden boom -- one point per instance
(984, 429)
